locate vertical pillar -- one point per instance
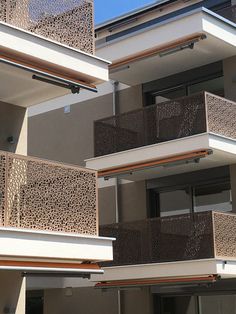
(22, 142)
(233, 185)
(230, 78)
(12, 292)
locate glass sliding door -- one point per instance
(174, 305)
(215, 86)
(184, 84)
(175, 202)
(218, 304)
(192, 194)
(206, 304)
(168, 94)
(215, 196)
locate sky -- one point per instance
(108, 9)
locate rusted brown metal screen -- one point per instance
(68, 22)
(225, 235)
(182, 117)
(150, 125)
(221, 115)
(167, 239)
(43, 195)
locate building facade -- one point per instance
(49, 209)
(161, 135)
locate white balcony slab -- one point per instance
(24, 245)
(130, 50)
(17, 86)
(184, 269)
(223, 153)
(225, 269)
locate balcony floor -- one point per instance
(52, 252)
(223, 152)
(171, 271)
(41, 55)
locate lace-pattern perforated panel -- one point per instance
(221, 115)
(44, 195)
(167, 239)
(68, 22)
(182, 117)
(225, 235)
(150, 125)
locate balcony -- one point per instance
(168, 250)
(47, 50)
(164, 122)
(67, 22)
(48, 214)
(176, 238)
(43, 195)
(187, 38)
(193, 133)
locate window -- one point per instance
(198, 191)
(175, 202)
(213, 196)
(206, 78)
(215, 86)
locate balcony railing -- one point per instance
(43, 195)
(177, 238)
(68, 22)
(228, 13)
(166, 121)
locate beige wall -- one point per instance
(12, 292)
(229, 68)
(137, 301)
(94, 301)
(83, 300)
(133, 201)
(13, 122)
(69, 137)
(130, 98)
(106, 201)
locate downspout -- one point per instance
(117, 216)
(114, 112)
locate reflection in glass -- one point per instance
(215, 197)
(175, 202)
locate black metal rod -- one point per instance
(75, 89)
(50, 76)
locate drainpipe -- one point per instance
(114, 97)
(117, 216)
(114, 112)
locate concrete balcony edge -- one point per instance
(23, 245)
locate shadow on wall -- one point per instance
(12, 119)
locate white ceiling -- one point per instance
(17, 87)
(206, 51)
(217, 159)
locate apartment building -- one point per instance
(161, 135)
(49, 209)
